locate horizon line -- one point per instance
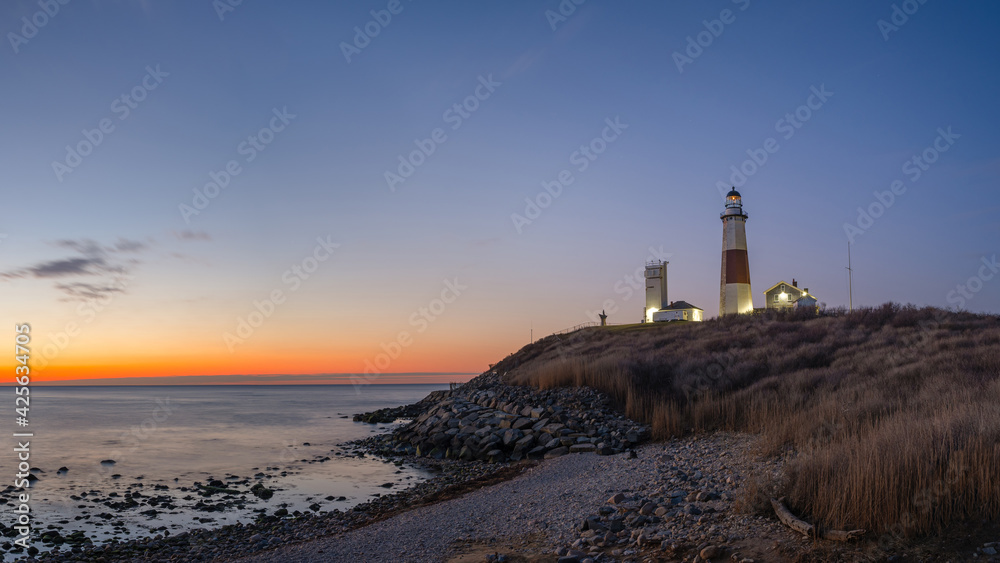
(401, 378)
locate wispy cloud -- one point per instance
(94, 259)
(87, 291)
(188, 234)
(59, 268)
(125, 245)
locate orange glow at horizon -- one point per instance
(139, 335)
(424, 364)
(417, 372)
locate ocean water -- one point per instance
(174, 436)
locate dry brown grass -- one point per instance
(892, 413)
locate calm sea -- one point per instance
(173, 436)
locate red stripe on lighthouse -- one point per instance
(737, 266)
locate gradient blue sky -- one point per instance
(323, 176)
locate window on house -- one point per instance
(776, 297)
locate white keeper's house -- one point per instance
(784, 295)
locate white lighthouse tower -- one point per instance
(734, 293)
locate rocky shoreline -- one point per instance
(495, 422)
(483, 431)
(392, 414)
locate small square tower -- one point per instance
(656, 289)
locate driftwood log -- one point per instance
(807, 529)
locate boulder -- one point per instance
(552, 428)
(537, 453)
(522, 423)
(710, 552)
(592, 523)
(511, 436)
(556, 452)
(524, 442)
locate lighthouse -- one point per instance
(734, 291)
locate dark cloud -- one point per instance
(188, 234)
(67, 267)
(95, 260)
(126, 245)
(88, 291)
(87, 247)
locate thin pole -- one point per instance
(850, 278)
(532, 337)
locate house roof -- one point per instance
(799, 289)
(678, 305)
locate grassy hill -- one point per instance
(889, 417)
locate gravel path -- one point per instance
(554, 494)
(548, 501)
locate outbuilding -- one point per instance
(678, 311)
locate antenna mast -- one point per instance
(850, 277)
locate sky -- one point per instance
(409, 191)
